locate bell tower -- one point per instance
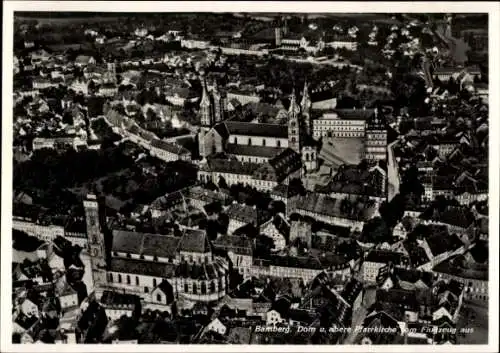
(220, 103)
(293, 124)
(376, 137)
(95, 237)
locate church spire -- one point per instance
(205, 106)
(306, 108)
(306, 100)
(205, 99)
(294, 108)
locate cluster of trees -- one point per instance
(138, 187)
(48, 170)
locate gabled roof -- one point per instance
(256, 129)
(280, 167)
(194, 240)
(169, 147)
(144, 243)
(253, 150)
(238, 244)
(141, 267)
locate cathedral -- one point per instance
(158, 268)
(257, 142)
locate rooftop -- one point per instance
(328, 206)
(144, 243)
(237, 244)
(141, 267)
(254, 129)
(254, 151)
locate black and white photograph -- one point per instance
(259, 175)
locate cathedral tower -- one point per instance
(375, 137)
(206, 108)
(306, 109)
(95, 237)
(293, 124)
(220, 103)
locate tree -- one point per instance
(264, 245)
(222, 183)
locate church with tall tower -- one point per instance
(375, 137)
(156, 267)
(206, 106)
(294, 128)
(96, 246)
(213, 105)
(259, 142)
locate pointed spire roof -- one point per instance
(294, 107)
(306, 100)
(205, 99)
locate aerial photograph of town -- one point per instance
(250, 178)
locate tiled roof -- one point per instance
(242, 213)
(205, 271)
(194, 240)
(439, 244)
(285, 163)
(252, 150)
(229, 166)
(141, 267)
(257, 129)
(169, 147)
(144, 243)
(237, 244)
(353, 180)
(400, 275)
(325, 205)
(119, 300)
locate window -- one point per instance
(128, 279)
(263, 142)
(236, 140)
(119, 278)
(158, 298)
(136, 280)
(128, 255)
(212, 286)
(249, 141)
(155, 258)
(146, 290)
(111, 277)
(190, 258)
(142, 257)
(186, 288)
(278, 143)
(154, 282)
(307, 157)
(203, 288)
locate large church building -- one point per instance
(259, 142)
(158, 268)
